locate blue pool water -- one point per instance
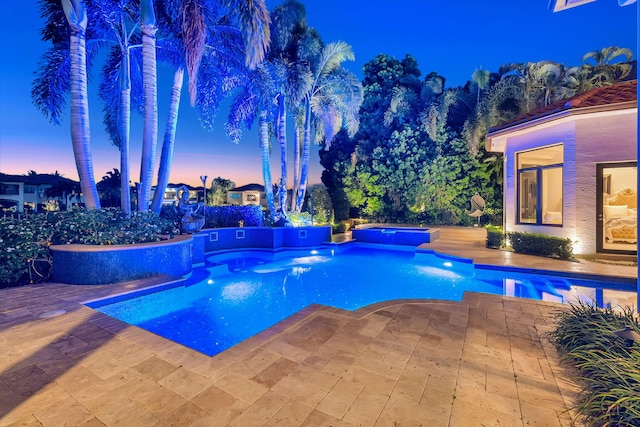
(238, 294)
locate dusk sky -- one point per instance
(452, 38)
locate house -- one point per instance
(19, 193)
(250, 194)
(171, 193)
(570, 170)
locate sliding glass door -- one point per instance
(617, 207)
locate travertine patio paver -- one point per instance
(481, 361)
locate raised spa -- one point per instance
(411, 236)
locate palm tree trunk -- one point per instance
(125, 125)
(296, 167)
(166, 157)
(149, 79)
(266, 167)
(305, 156)
(282, 139)
(79, 116)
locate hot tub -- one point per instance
(410, 236)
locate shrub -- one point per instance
(495, 237)
(609, 370)
(539, 244)
(303, 219)
(31, 236)
(230, 216)
(341, 227)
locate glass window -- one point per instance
(540, 186)
(10, 189)
(30, 189)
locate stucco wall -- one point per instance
(600, 140)
(588, 140)
(563, 133)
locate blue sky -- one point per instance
(452, 38)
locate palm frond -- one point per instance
(253, 19)
(52, 83)
(194, 30)
(331, 57)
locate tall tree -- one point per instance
(481, 78)
(291, 38)
(109, 188)
(150, 83)
(217, 194)
(202, 30)
(118, 22)
(344, 96)
(65, 69)
(256, 100)
(607, 68)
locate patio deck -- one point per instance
(478, 362)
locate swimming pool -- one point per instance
(238, 294)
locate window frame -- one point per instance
(539, 186)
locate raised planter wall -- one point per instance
(100, 265)
(264, 237)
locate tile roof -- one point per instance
(249, 187)
(608, 95)
(38, 179)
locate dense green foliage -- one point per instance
(318, 204)
(31, 236)
(541, 244)
(419, 154)
(608, 368)
(217, 194)
(408, 162)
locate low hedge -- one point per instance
(222, 216)
(540, 244)
(495, 237)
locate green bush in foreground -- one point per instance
(540, 244)
(609, 370)
(31, 236)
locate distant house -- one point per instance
(250, 194)
(571, 170)
(20, 193)
(171, 193)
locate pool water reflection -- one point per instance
(238, 294)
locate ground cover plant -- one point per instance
(22, 240)
(608, 367)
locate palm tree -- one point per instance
(109, 187)
(256, 100)
(329, 82)
(291, 36)
(118, 21)
(65, 69)
(204, 36)
(605, 72)
(150, 84)
(481, 78)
